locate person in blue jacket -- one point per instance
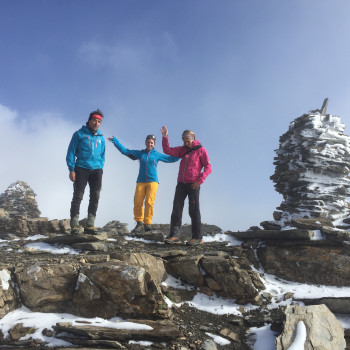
(85, 160)
(147, 180)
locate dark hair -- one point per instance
(152, 137)
(96, 112)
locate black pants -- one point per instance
(182, 191)
(83, 177)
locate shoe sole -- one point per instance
(90, 232)
(173, 242)
(194, 243)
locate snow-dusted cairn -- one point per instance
(19, 199)
(312, 167)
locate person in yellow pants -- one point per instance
(145, 192)
(147, 180)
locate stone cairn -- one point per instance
(19, 213)
(19, 199)
(312, 167)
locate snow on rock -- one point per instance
(312, 167)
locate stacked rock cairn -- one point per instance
(312, 167)
(19, 199)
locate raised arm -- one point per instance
(172, 151)
(133, 154)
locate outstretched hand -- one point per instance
(110, 138)
(164, 131)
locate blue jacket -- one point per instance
(148, 161)
(86, 150)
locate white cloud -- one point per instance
(133, 56)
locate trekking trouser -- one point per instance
(145, 192)
(82, 178)
(182, 191)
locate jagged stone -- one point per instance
(47, 288)
(323, 330)
(312, 224)
(191, 274)
(154, 235)
(336, 235)
(162, 331)
(125, 290)
(315, 262)
(91, 246)
(336, 305)
(294, 234)
(8, 298)
(154, 266)
(222, 274)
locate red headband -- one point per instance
(97, 116)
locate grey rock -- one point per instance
(315, 262)
(208, 345)
(324, 331)
(295, 234)
(335, 305)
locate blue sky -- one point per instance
(235, 72)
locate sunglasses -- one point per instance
(150, 137)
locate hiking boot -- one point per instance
(172, 240)
(195, 241)
(138, 227)
(147, 228)
(90, 230)
(75, 230)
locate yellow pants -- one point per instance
(145, 192)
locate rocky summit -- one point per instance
(127, 290)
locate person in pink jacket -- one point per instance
(194, 168)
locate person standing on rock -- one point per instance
(85, 160)
(147, 180)
(194, 159)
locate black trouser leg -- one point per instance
(81, 179)
(194, 211)
(95, 184)
(178, 206)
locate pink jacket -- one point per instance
(191, 164)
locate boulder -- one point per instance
(154, 266)
(221, 274)
(323, 330)
(116, 288)
(316, 262)
(47, 288)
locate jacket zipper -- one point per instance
(183, 174)
(147, 167)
